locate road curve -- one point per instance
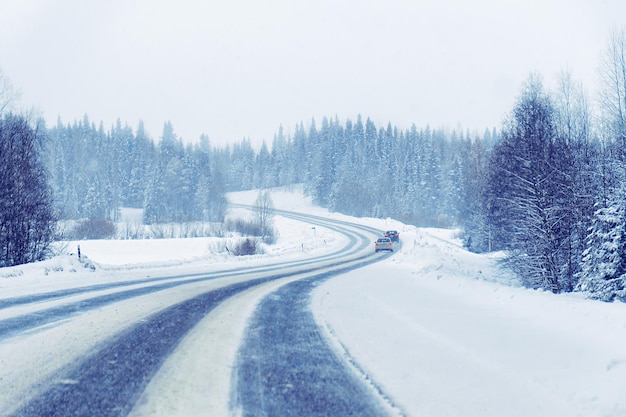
(120, 366)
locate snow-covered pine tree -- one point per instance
(603, 274)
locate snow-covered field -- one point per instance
(440, 331)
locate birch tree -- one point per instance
(529, 191)
(26, 215)
(264, 211)
(8, 94)
(613, 87)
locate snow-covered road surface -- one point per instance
(431, 329)
(108, 375)
(302, 375)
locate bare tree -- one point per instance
(573, 113)
(529, 192)
(26, 214)
(264, 208)
(587, 177)
(8, 95)
(612, 100)
(613, 89)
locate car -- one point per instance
(393, 235)
(384, 243)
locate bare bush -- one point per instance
(243, 227)
(59, 248)
(271, 236)
(132, 231)
(93, 229)
(246, 247)
(219, 246)
(251, 228)
(162, 231)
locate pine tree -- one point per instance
(603, 274)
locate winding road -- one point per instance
(128, 348)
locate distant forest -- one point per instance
(548, 186)
(423, 177)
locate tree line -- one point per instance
(94, 173)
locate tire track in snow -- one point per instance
(286, 366)
(24, 322)
(109, 381)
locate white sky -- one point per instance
(241, 68)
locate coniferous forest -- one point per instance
(548, 187)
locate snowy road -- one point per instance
(120, 348)
(301, 375)
(431, 330)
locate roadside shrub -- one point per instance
(243, 227)
(93, 229)
(251, 228)
(245, 247)
(271, 236)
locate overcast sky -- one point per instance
(241, 68)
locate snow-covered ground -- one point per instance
(440, 331)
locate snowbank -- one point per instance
(440, 331)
